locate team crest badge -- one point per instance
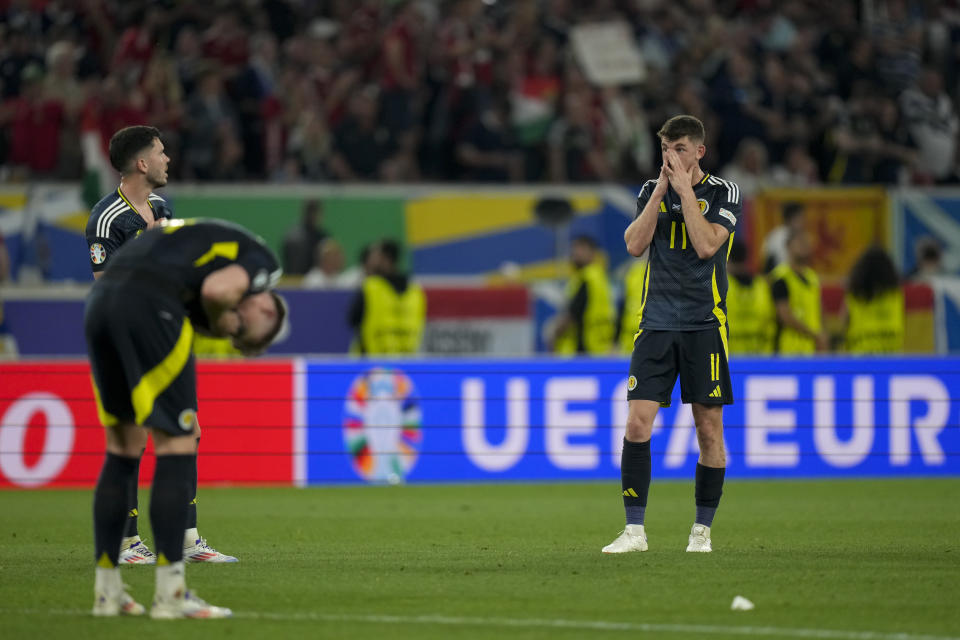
(631, 383)
(97, 253)
(187, 419)
(704, 205)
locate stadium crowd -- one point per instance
(792, 93)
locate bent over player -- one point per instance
(140, 319)
(685, 219)
(138, 154)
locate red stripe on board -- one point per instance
(492, 302)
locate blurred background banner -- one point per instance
(926, 215)
(845, 222)
(50, 435)
(464, 231)
(445, 420)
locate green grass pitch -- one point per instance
(858, 560)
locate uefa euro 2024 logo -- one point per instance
(381, 425)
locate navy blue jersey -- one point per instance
(682, 292)
(113, 221)
(175, 259)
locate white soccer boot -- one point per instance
(699, 540)
(174, 601)
(199, 551)
(633, 538)
(134, 551)
(111, 597)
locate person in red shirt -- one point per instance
(35, 123)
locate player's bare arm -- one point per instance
(706, 237)
(222, 291)
(640, 232)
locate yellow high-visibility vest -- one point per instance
(804, 300)
(393, 322)
(750, 316)
(598, 318)
(632, 296)
(876, 326)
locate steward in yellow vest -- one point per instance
(874, 306)
(796, 295)
(750, 312)
(632, 297)
(389, 311)
(587, 323)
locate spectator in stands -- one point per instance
(486, 153)
(35, 124)
(787, 74)
(211, 129)
(897, 152)
(17, 55)
(929, 260)
(586, 323)
(750, 310)
(327, 271)
(388, 314)
(797, 170)
(575, 153)
(873, 312)
(362, 148)
(796, 295)
(775, 244)
(750, 168)
(932, 121)
(301, 242)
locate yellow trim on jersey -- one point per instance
(130, 204)
(718, 312)
(107, 419)
(673, 234)
(155, 381)
(643, 299)
(730, 244)
(663, 207)
(226, 250)
(683, 235)
(705, 176)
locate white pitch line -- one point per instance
(537, 623)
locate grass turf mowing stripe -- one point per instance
(587, 625)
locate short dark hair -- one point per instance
(680, 126)
(391, 249)
(128, 142)
(590, 241)
(791, 210)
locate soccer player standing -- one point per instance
(685, 219)
(140, 319)
(138, 154)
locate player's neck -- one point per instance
(137, 192)
(697, 176)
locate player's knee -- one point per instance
(128, 440)
(639, 428)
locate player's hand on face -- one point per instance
(663, 182)
(680, 178)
